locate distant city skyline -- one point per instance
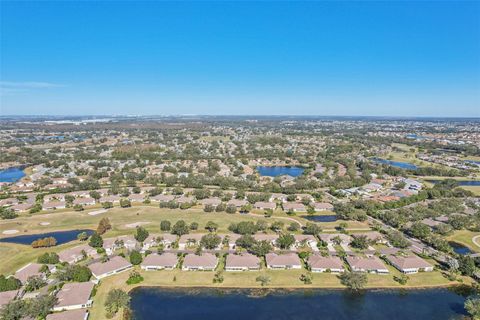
(240, 58)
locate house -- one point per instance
(372, 236)
(214, 202)
(154, 261)
(189, 240)
(153, 240)
(54, 205)
(128, 242)
(318, 263)
(110, 198)
(7, 296)
(84, 201)
(306, 239)
(162, 198)
(136, 197)
(294, 206)
(262, 205)
(322, 206)
(283, 261)
(204, 262)
(31, 270)
(331, 238)
(184, 199)
(21, 207)
(78, 314)
(76, 254)
(113, 266)
(237, 203)
(242, 262)
(74, 295)
(409, 263)
(270, 238)
(370, 264)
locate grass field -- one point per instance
(284, 279)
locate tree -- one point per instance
(354, 280)
(466, 265)
(48, 258)
(264, 280)
(125, 203)
(134, 277)
(78, 207)
(82, 236)
(96, 241)
(312, 228)
(472, 305)
(107, 205)
(218, 277)
(402, 279)
(180, 228)
(77, 273)
(285, 241)
(231, 209)
(14, 310)
(193, 226)
(135, 257)
(103, 226)
(6, 213)
(244, 227)
(116, 299)
(41, 306)
(419, 230)
(277, 226)
(246, 241)
(294, 226)
(141, 234)
(9, 284)
(165, 225)
(211, 226)
(44, 242)
(208, 208)
(306, 278)
(360, 242)
(210, 241)
(34, 283)
(261, 248)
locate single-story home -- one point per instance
(115, 265)
(318, 263)
(136, 197)
(369, 264)
(283, 261)
(203, 262)
(128, 242)
(78, 314)
(214, 202)
(372, 236)
(306, 239)
(322, 206)
(111, 198)
(155, 261)
(188, 240)
(32, 269)
(242, 262)
(409, 263)
(162, 198)
(165, 239)
(75, 254)
(84, 201)
(54, 205)
(263, 205)
(74, 295)
(238, 203)
(294, 206)
(7, 296)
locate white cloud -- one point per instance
(13, 87)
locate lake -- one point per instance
(460, 182)
(205, 303)
(279, 171)
(459, 248)
(398, 164)
(11, 174)
(324, 218)
(61, 237)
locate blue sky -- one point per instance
(310, 58)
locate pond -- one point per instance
(397, 164)
(280, 171)
(61, 236)
(204, 303)
(460, 182)
(11, 174)
(459, 248)
(324, 218)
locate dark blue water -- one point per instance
(460, 182)
(208, 304)
(11, 175)
(280, 171)
(460, 249)
(398, 164)
(61, 236)
(326, 218)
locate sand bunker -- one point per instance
(44, 223)
(94, 213)
(136, 224)
(10, 231)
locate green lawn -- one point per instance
(465, 237)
